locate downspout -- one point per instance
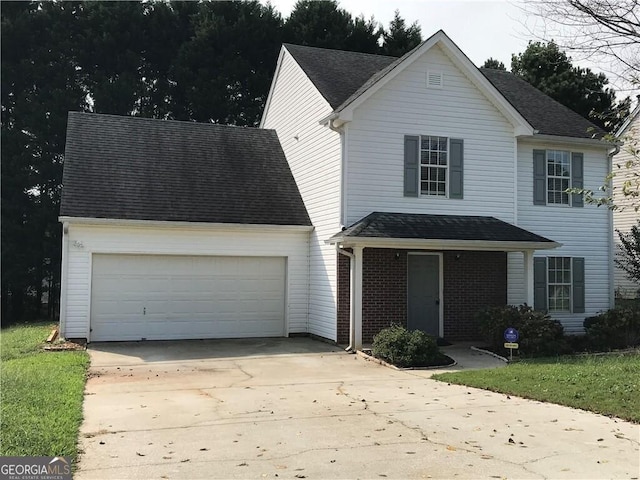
(63, 278)
(612, 293)
(352, 317)
(343, 167)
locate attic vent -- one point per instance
(435, 79)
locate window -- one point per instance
(558, 177)
(433, 165)
(554, 171)
(559, 284)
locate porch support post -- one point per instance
(528, 277)
(357, 296)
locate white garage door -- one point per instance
(162, 297)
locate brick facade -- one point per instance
(472, 280)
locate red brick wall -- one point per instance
(472, 280)
(384, 290)
(343, 298)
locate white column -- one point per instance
(357, 296)
(528, 277)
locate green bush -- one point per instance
(405, 348)
(539, 334)
(615, 328)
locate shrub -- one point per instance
(404, 348)
(615, 328)
(539, 334)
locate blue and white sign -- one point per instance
(511, 335)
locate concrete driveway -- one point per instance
(297, 408)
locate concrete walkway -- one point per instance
(296, 408)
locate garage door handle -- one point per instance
(144, 310)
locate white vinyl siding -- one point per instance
(583, 232)
(375, 144)
(625, 218)
(313, 152)
(85, 241)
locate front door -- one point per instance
(423, 286)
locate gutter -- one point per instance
(184, 225)
(430, 244)
(543, 137)
(352, 317)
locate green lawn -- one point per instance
(607, 384)
(41, 394)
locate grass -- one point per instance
(606, 384)
(41, 394)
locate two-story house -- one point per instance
(435, 189)
(377, 190)
(626, 168)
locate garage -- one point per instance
(179, 230)
(165, 297)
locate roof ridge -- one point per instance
(165, 120)
(286, 44)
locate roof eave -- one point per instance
(596, 142)
(182, 225)
(437, 244)
(344, 113)
(271, 88)
(623, 128)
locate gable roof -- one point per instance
(630, 119)
(544, 113)
(142, 169)
(341, 76)
(442, 229)
(337, 74)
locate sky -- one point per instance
(481, 28)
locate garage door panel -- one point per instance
(173, 297)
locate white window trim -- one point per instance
(547, 177)
(445, 168)
(570, 284)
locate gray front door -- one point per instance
(424, 293)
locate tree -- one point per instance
(604, 31)
(628, 254)
(400, 39)
(39, 87)
(494, 64)
(326, 25)
(550, 70)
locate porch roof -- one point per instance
(445, 232)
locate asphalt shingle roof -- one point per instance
(142, 169)
(543, 113)
(339, 76)
(438, 227)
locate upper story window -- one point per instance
(555, 171)
(558, 177)
(433, 165)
